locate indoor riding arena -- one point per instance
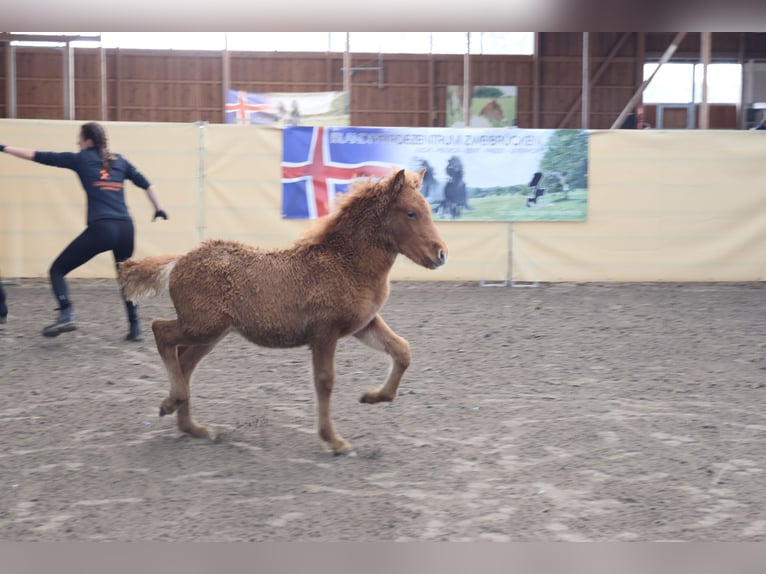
(593, 374)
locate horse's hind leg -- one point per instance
(188, 358)
(180, 357)
(379, 336)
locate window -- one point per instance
(681, 83)
(385, 42)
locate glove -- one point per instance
(160, 213)
(2, 148)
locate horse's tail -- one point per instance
(143, 277)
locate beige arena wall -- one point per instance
(663, 206)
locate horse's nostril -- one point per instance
(442, 256)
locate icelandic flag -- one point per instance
(247, 108)
(320, 162)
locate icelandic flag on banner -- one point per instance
(320, 162)
(247, 108)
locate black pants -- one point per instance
(113, 235)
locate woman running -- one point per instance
(109, 224)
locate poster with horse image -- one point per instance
(293, 108)
(490, 107)
(504, 174)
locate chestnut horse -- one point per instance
(329, 284)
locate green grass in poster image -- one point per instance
(551, 207)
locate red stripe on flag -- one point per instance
(320, 173)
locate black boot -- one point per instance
(63, 324)
(135, 332)
(3, 306)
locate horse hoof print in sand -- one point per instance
(329, 284)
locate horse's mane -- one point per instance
(360, 206)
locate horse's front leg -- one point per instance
(380, 337)
(323, 357)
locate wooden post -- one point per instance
(704, 112)
(743, 104)
(347, 73)
(467, 81)
(10, 80)
(536, 83)
(117, 84)
(597, 74)
(585, 108)
(432, 112)
(68, 82)
(225, 74)
(637, 96)
(102, 81)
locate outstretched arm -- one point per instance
(151, 193)
(21, 152)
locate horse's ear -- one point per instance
(422, 173)
(397, 183)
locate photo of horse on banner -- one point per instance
(451, 198)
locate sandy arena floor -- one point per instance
(552, 413)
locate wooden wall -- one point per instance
(187, 86)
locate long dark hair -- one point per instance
(95, 132)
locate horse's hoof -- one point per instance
(349, 452)
(344, 450)
(374, 396)
(199, 431)
(168, 406)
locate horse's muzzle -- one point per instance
(441, 259)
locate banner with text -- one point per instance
(500, 174)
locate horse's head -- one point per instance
(455, 168)
(493, 111)
(411, 230)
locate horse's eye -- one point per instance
(411, 215)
